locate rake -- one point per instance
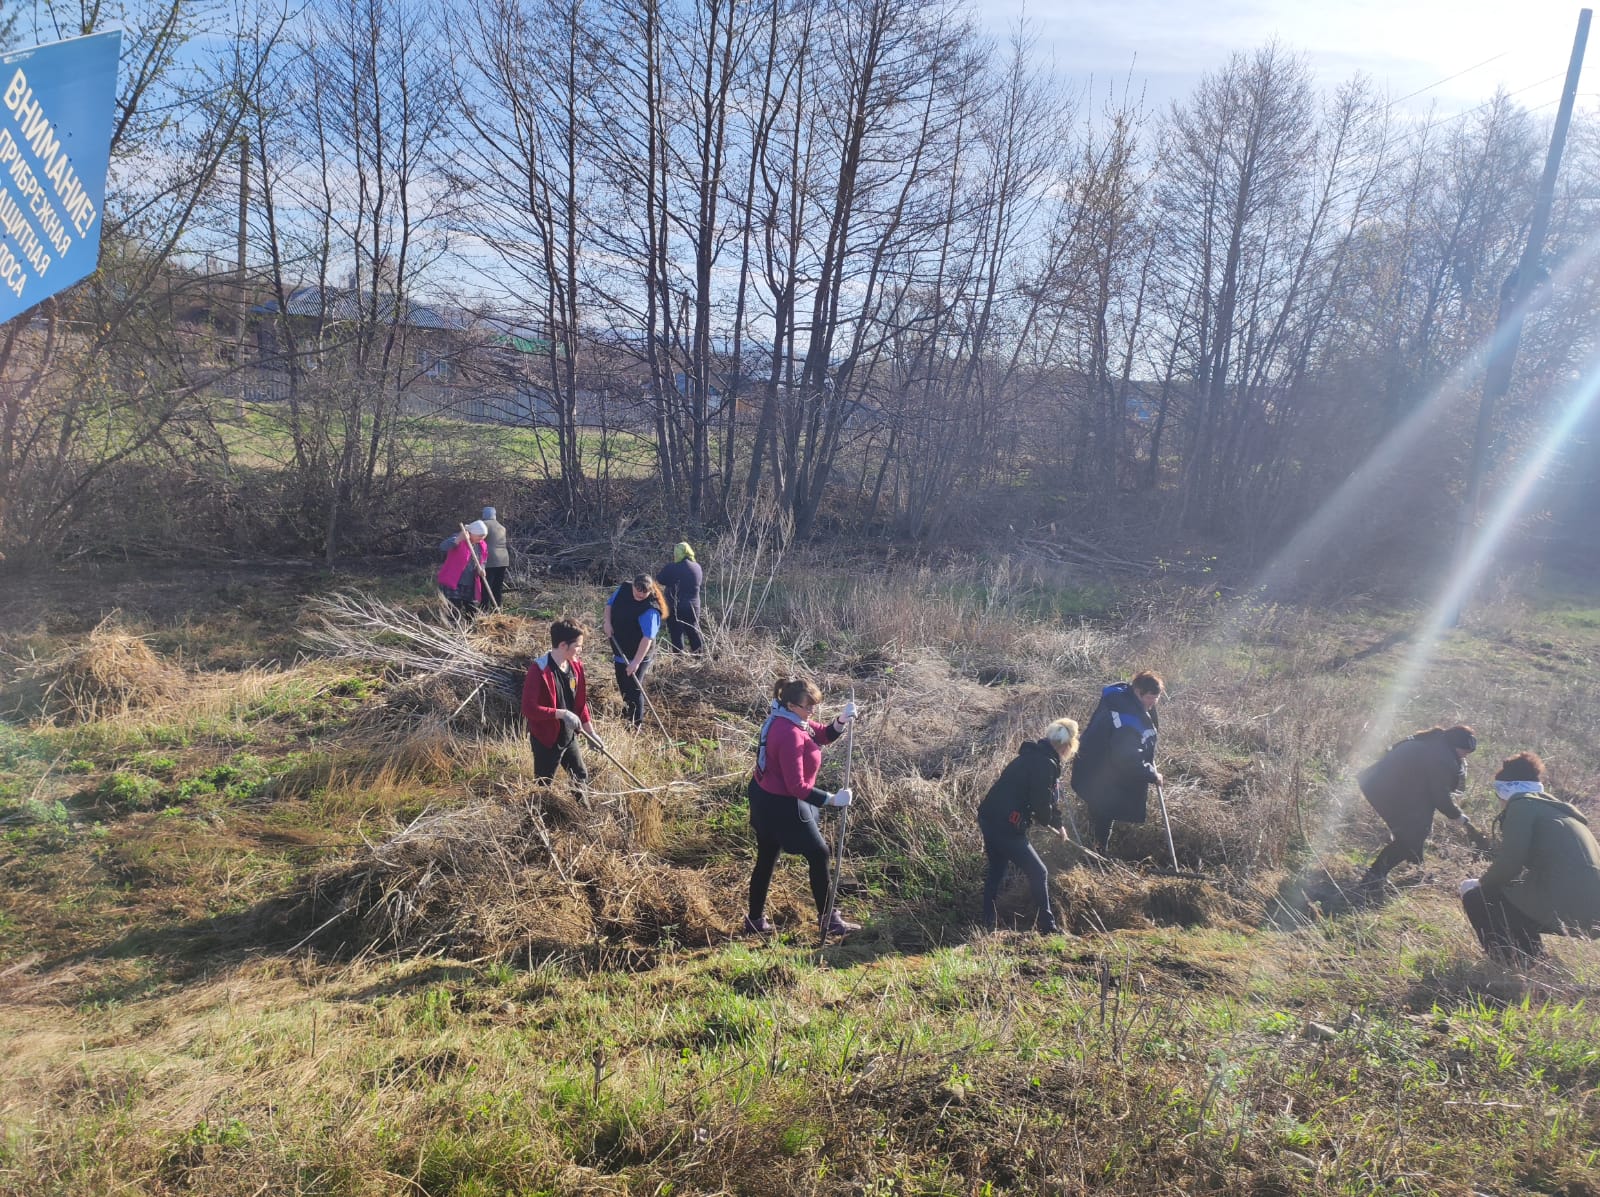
(844, 816)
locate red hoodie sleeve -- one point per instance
(824, 733)
(536, 699)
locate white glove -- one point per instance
(848, 713)
(842, 798)
(569, 720)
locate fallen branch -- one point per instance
(354, 627)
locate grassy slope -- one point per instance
(261, 439)
(162, 1039)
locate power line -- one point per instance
(1448, 78)
(1445, 120)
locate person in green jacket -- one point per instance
(1545, 877)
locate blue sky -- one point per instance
(1405, 45)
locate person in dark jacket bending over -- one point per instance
(1116, 763)
(784, 798)
(1545, 878)
(1028, 790)
(1416, 777)
(555, 702)
(633, 622)
(681, 582)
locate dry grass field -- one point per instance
(275, 920)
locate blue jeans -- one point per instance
(1007, 847)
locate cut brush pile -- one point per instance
(109, 673)
(500, 879)
(453, 675)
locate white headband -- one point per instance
(1509, 789)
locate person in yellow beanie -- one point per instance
(681, 582)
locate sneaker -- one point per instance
(835, 924)
(757, 926)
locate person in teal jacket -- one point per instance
(1545, 877)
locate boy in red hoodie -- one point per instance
(555, 702)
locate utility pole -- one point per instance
(1516, 295)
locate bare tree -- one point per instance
(353, 206)
(528, 71)
(1233, 176)
(110, 374)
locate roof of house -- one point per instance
(338, 303)
(506, 333)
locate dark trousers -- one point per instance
(497, 583)
(684, 625)
(783, 824)
(1507, 935)
(1006, 847)
(632, 691)
(1395, 853)
(567, 756)
(1100, 826)
(461, 607)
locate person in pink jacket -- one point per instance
(459, 578)
(784, 798)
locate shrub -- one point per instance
(129, 792)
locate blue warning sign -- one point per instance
(55, 142)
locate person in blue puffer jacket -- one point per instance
(1116, 763)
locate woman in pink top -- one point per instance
(458, 578)
(784, 797)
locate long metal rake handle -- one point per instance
(1162, 799)
(844, 815)
(595, 740)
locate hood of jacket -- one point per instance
(1040, 748)
(1120, 697)
(1558, 808)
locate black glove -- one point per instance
(1480, 841)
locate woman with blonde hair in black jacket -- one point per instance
(1027, 791)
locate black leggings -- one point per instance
(784, 824)
(632, 691)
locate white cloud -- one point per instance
(1405, 45)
